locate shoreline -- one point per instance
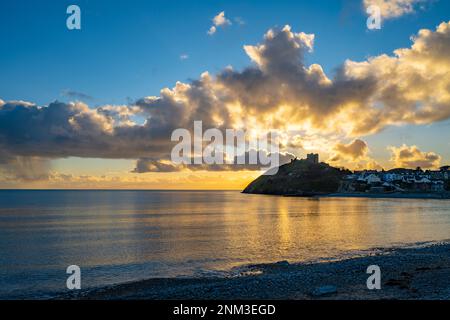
(430, 195)
(406, 273)
(398, 195)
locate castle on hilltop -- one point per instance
(312, 158)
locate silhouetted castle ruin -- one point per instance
(313, 158)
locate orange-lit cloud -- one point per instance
(354, 150)
(354, 155)
(218, 21)
(412, 157)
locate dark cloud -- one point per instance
(72, 129)
(240, 163)
(28, 169)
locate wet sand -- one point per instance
(406, 273)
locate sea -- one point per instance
(122, 236)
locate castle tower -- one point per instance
(313, 158)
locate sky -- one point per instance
(95, 107)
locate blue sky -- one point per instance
(129, 51)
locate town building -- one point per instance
(398, 180)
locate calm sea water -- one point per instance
(119, 236)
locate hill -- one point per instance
(300, 177)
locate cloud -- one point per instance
(372, 165)
(218, 21)
(17, 168)
(363, 97)
(184, 56)
(277, 91)
(212, 30)
(355, 150)
(239, 21)
(155, 165)
(354, 155)
(412, 157)
(76, 95)
(73, 129)
(411, 87)
(393, 8)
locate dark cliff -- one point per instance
(300, 177)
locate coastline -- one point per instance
(406, 273)
(398, 195)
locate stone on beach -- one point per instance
(324, 290)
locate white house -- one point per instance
(372, 179)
